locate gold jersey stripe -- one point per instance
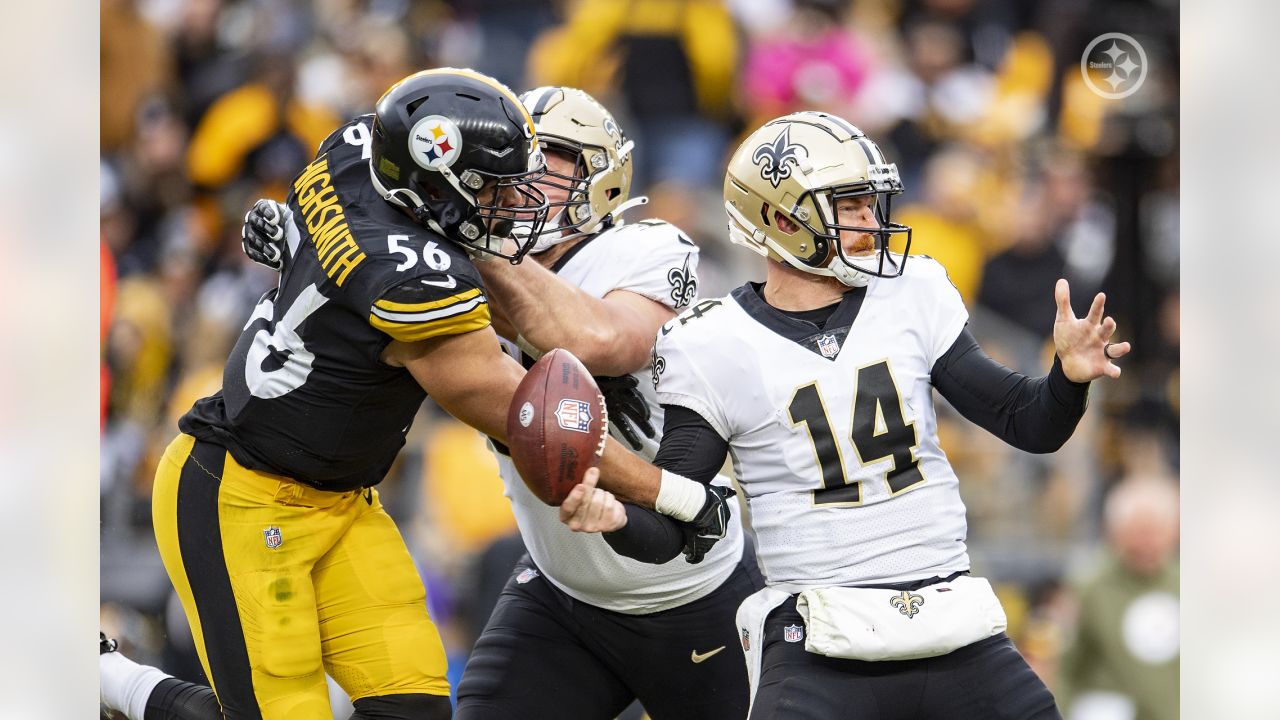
(476, 319)
(398, 307)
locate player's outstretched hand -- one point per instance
(591, 509)
(1084, 344)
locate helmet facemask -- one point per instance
(573, 217)
(566, 217)
(882, 262)
(459, 151)
(501, 203)
(596, 180)
(782, 189)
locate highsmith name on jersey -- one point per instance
(305, 393)
(654, 259)
(832, 431)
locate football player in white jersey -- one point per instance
(819, 385)
(580, 630)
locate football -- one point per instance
(556, 426)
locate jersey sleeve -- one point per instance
(944, 310)
(663, 263)
(430, 306)
(680, 380)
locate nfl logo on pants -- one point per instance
(273, 537)
(793, 633)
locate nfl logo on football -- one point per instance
(828, 346)
(793, 633)
(273, 537)
(574, 415)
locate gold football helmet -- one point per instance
(796, 167)
(571, 121)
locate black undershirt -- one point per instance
(1036, 415)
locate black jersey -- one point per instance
(304, 392)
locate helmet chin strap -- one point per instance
(414, 202)
(848, 274)
(550, 235)
(393, 196)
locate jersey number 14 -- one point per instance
(879, 431)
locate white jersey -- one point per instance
(654, 259)
(832, 432)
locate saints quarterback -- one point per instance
(818, 384)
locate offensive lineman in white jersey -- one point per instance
(818, 384)
(580, 630)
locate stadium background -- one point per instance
(1016, 174)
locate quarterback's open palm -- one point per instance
(1084, 344)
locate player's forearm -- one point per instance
(691, 450)
(1036, 415)
(468, 375)
(648, 536)
(629, 477)
(549, 313)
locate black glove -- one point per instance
(625, 403)
(710, 526)
(262, 236)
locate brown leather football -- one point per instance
(556, 426)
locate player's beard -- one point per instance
(865, 243)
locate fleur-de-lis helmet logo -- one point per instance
(776, 158)
(907, 603)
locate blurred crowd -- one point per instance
(1016, 174)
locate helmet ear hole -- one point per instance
(784, 223)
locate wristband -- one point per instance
(680, 497)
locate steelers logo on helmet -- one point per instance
(435, 142)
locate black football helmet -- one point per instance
(459, 150)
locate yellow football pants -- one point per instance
(282, 582)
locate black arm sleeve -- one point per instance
(1032, 414)
(690, 447)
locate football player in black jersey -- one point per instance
(264, 507)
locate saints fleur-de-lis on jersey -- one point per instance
(776, 158)
(684, 284)
(907, 603)
(659, 365)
